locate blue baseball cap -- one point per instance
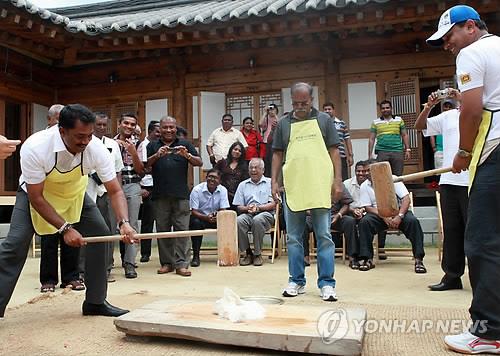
(448, 19)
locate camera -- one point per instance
(173, 149)
(443, 93)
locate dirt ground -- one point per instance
(51, 324)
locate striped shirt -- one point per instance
(343, 132)
(388, 134)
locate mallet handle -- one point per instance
(413, 176)
(158, 235)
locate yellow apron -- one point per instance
(308, 169)
(477, 150)
(65, 192)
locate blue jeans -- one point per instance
(295, 225)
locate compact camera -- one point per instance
(443, 93)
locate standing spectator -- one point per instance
(182, 133)
(391, 135)
(234, 170)
(97, 191)
(169, 158)
(268, 122)
(462, 32)
(222, 138)
(50, 243)
(345, 147)
(132, 172)
(309, 141)
(147, 211)
(453, 188)
(437, 141)
(256, 147)
(53, 115)
(256, 205)
(205, 200)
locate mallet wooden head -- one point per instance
(383, 185)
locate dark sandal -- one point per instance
(364, 266)
(419, 267)
(353, 264)
(75, 285)
(48, 287)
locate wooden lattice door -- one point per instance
(405, 98)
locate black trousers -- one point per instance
(345, 168)
(14, 250)
(48, 260)
(147, 222)
(372, 224)
(197, 224)
(482, 246)
(454, 202)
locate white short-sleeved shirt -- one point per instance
(205, 202)
(367, 194)
(147, 180)
(221, 140)
(94, 190)
(249, 192)
(38, 155)
(447, 124)
(478, 65)
(354, 189)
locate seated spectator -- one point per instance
(205, 201)
(256, 205)
(256, 147)
(234, 170)
(372, 224)
(356, 210)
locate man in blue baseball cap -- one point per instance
(462, 32)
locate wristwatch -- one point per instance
(463, 153)
(401, 215)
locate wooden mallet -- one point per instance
(383, 185)
(227, 237)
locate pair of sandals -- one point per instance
(366, 265)
(76, 285)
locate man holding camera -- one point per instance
(169, 158)
(453, 188)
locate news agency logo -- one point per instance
(333, 325)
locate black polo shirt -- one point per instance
(170, 171)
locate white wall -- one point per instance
(362, 98)
(39, 117)
(212, 107)
(155, 110)
(360, 151)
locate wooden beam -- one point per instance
(70, 55)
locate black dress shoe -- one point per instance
(444, 285)
(144, 259)
(104, 309)
(130, 271)
(195, 262)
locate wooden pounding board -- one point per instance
(285, 327)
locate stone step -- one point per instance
(425, 211)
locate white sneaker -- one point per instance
(293, 289)
(470, 344)
(328, 294)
